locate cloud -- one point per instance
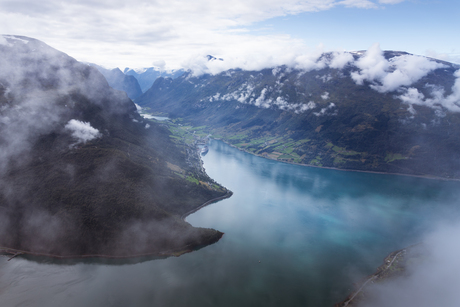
(391, 1)
(389, 75)
(372, 65)
(363, 4)
(449, 57)
(407, 70)
(412, 96)
(324, 111)
(439, 100)
(298, 56)
(312, 60)
(115, 33)
(432, 282)
(250, 53)
(3, 41)
(340, 59)
(82, 131)
(161, 64)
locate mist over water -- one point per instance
(294, 236)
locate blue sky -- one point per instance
(173, 33)
(412, 26)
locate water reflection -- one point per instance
(87, 260)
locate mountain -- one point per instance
(118, 80)
(213, 58)
(81, 173)
(147, 76)
(374, 110)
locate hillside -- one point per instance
(81, 172)
(371, 110)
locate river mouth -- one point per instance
(294, 236)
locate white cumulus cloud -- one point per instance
(372, 65)
(390, 75)
(82, 131)
(407, 70)
(340, 59)
(438, 98)
(433, 281)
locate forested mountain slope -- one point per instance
(382, 111)
(81, 172)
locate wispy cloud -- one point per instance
(139, 32)
(438, 98)
(390, 1)
(434, 281)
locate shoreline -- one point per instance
(13, 252)
(341, 169)
(387, 263)
(17, 252)
(187, 249)
(227, 195)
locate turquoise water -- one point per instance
(294, 236)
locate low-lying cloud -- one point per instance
(82, 131)
(438, 98)
(297, 58)
(433, 281)
(390, 75)
(383, 75)
(394, 72)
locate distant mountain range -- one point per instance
(146, 76)
(81, 172)
(381, 111)
(134, 82)
(118, 80)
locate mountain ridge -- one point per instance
(147, 76)
(381, 111)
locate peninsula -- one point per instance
(82, 173)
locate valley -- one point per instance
(321, 117)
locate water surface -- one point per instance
(294, 236)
